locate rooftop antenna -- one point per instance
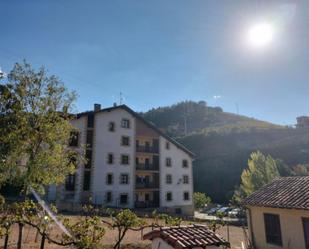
(120, 98)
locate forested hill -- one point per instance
(196, 117)
(223, 142)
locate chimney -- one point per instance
(97, 107)
(115, 104)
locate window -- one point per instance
(185, 179)
(70, 183)
(185, 163)
(88, 159)
(168, 179)
(109, 179)
(124, 159)
(186, 196)
(124, 179)
(111, 126)
(73, 141)
(90, 120)
(86, 186)
(169, 196)
(125, 141)
(306, 231)
(168, 162)
(125, 123)
(123, 199)
(167, 145)
(89, 139)
(110, 158)
(108, 197)
(272, 229)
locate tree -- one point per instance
(123, 221)
(200, 200)
(261, 170)
(34, 129)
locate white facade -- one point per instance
(141, 177)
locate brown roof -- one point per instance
(187, 236)
(136, 115)
(284, 192)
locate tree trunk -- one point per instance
(6, 241)
(43, 241)
(20, 235)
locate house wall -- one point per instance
(291, 227)
(177, 171)
(110, 142)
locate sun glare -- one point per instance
(260, 35)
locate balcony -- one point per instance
(150, 167)
(146, 204)
(147, 185)
(147, 149)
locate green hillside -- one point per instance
(223, 142)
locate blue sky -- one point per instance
(160, 52)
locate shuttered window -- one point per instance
(273, 229)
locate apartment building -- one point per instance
(130, 164)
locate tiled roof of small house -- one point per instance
(182, 237)
(284, 192)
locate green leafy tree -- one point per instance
(261, 170)
(123, 221)
(200, 200)
(34, 129)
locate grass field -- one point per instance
(132, 239)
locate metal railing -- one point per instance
(147, 149)
(147, 167)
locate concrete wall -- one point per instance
(110, 142)
(177, 171)
(292, 232)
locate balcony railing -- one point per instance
(139, 185)
(147, 149)
(150, 167)
(146, 204)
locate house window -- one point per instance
(70, 182)
(125, 141)
(123, 199)
(168, 162)
(185, 179)
(109, 197)
(306, 231)
(124, 159)
(109, 179)
(88, 159)
(169, 196)
(111, 126)
(185, 163)
(89, 139)
(73, 141)
(168, 179)
(124, 179)
(272, 229)
(86, 185)
(186, 196)
(110, 158)
(125, 123)
(167, 145)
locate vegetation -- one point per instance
(261, 170)
(34, 129)
(200, 200)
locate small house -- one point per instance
(278, 214)
(184, 237)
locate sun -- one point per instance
(260, 35)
